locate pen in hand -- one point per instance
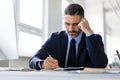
(118, 54)
(49, 54)
(53, 60)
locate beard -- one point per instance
(73, 34)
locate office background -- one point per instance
(37, 19)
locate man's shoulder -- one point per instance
(61, 33)
(58, 36)
(96, 35)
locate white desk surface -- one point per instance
(57, 75)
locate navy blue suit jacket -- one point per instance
(90, 50)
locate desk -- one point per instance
(55, 75)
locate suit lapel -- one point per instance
(64, 42)
(81, 44)
(81, 50)
(63, 48)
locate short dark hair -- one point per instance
(74, 9)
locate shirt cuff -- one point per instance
(36, 63)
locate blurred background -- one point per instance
(35, 20)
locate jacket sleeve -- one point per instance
(42, 53)
(96, 52)
(40, 56)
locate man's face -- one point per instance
(71, 25)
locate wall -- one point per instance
(54, 16)
(94, 13)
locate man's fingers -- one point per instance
(50, 63)
(84, 25)
(52, 60)
(49, 66)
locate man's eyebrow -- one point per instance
(67, 23)
(76, 23)
(72, 23)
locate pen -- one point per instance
(118, 54)
(48, 54)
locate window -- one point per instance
(28, 43)
(29, 19)
(31, 12)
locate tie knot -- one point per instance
(73, 41)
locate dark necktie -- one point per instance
(72, 54)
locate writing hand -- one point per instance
(50, 63)
(84, 26)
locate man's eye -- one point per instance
(75, 24)
(67, 24)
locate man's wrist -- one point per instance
(41, 64)
(89, 33)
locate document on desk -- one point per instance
(101, 70)
(89, 70)
(69, 69)
(113, 71)
(73, 68)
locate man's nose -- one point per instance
(71, 27)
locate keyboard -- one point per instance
(15, 69)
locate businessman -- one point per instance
(78, 46)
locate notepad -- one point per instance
(73, 68)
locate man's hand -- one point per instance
(84, 26)
(50, 63)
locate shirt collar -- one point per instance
(77, 39)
